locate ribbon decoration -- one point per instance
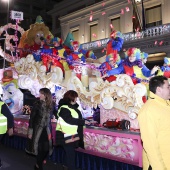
(17, 16)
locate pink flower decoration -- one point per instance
(94, 35)
(91, 18)
(103, 13)
(156, 42)
(161, 43)
(127, 9)
(111, 26)
(122, 11)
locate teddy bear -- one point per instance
(33, 39)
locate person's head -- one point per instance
(75, 46)
(57, 41)
(113, 60)
(133, 54)
(45, 95)
(166, 61)
(70, 97)
(159, 85)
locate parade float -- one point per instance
(117, 87)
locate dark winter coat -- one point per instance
(39, 127)
(65, 114)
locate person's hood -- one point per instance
(63, 102)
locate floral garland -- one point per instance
(8, 37)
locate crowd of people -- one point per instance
(153, 120)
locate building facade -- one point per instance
(93, 23)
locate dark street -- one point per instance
(13, 159)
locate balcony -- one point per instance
(149, 32)
(144, 40)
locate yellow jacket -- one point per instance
(154, 122)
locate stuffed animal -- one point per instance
(34, 37)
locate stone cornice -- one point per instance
(96, 8)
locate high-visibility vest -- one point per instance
(3, 121)
(64, 127)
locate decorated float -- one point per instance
(116, 87)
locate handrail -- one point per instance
(149, 32)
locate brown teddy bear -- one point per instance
(34, 37)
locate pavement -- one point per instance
(13, 159)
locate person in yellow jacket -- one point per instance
(154, 124)
(69, 129)
(6, 122)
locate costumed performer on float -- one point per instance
(112, 57)
(165, 69)
(114, 44)
(133, 66)
(60, 51)
(110, 64)
(77, 53)
(144, 57)
(54, 55)
(77, 62)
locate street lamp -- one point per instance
(7, 9)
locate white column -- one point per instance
(82, 31)
(126, 24)
(102, 26)
(53, 24)
(166, 12)
(64, 30)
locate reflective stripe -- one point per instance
(3, 124)
(63, 123)
(2, 117)
(3, 121)
(65, 127)
(66, 135)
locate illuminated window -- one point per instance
(93, 32)
(76, 35)
(153, 16)
(116, 24)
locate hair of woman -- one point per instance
(48, 97)
(70, 96)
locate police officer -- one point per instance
(6, 121)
